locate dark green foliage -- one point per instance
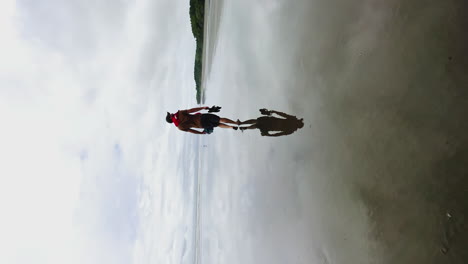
(197, 16)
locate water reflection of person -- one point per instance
(266, 124)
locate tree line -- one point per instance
(197, 16)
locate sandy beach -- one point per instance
(378, 173)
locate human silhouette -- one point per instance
(267, 123)
(186, 121)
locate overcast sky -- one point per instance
(90, 172)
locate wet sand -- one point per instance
(378, 174)
(213, 9)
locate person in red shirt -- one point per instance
(186, 121)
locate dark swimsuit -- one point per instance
(209, 120)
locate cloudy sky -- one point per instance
(90, 172)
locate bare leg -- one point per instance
(226, 126)
(282, 114)
(249, 127)
(227, 120)
(249, 122)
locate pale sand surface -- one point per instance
(379, 172)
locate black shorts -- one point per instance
(209, 120)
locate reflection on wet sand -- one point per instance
(273, 126)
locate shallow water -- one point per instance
(378, 173)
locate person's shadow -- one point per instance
(267, 124)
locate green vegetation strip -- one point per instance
(197, 16)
